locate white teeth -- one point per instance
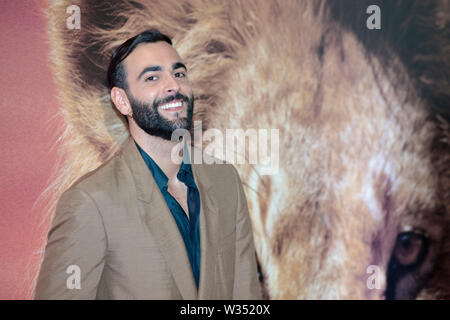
(171, 105)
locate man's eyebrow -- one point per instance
(148, 69)
(178, 65)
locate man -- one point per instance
(146, 225)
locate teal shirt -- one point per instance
(189, 228)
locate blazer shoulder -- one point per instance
(216, 167)
(222, 173)
(224, 181)
(102, 179)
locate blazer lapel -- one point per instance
(161, 223)
(209, 230)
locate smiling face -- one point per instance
(159, 93)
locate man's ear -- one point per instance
(120, 99)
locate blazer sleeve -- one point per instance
(246, 283)
(76, 249)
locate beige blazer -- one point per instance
(114, 225)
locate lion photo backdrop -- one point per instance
(358, 90)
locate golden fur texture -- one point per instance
(364, 146)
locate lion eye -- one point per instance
(409, 253)
(408, 248)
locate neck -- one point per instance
(164, 152)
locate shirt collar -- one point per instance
(185, 174)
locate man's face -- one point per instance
(159, 92)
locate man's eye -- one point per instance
(180, 75)
(151, 78)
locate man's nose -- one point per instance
(171, 85)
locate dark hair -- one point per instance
(117, 76)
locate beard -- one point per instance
(148, 118)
